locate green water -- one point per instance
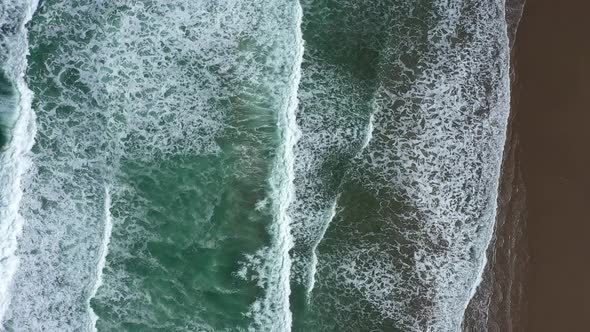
(192, 173)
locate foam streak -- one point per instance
(277, 295)
(314, 250)
(14, 160)
(104, 248)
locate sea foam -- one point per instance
(416, 205)
(133, 94)
(102, 255)
(18, 122)
(272, 312)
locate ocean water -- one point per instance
(240, 165)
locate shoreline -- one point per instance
(498, 304)
(537, 276)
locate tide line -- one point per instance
(276, 299)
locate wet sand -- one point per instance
(538, 276)
(552, 119)
(499, 304)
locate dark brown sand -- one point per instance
(499, 304)
(548, 154)
(553, 122)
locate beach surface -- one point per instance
(499, 303)
(552, 119)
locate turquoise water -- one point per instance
(250, 165)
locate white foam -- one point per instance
(14, 159)
(130, 111)
(125, 111)
(369, 134)
(152, 81)
(328, 130)
(313, 265)
(438, 131)
(102, 255)
(272, 312)
(429, 172)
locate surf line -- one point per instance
(102, 255)
(276, 313)
(290, 133)
(504, 104)
(331, 212)
(14, 160)
(314, 250)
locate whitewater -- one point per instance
(17, 125)
(248, 165)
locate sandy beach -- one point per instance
(552, 113)
(538, 276)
